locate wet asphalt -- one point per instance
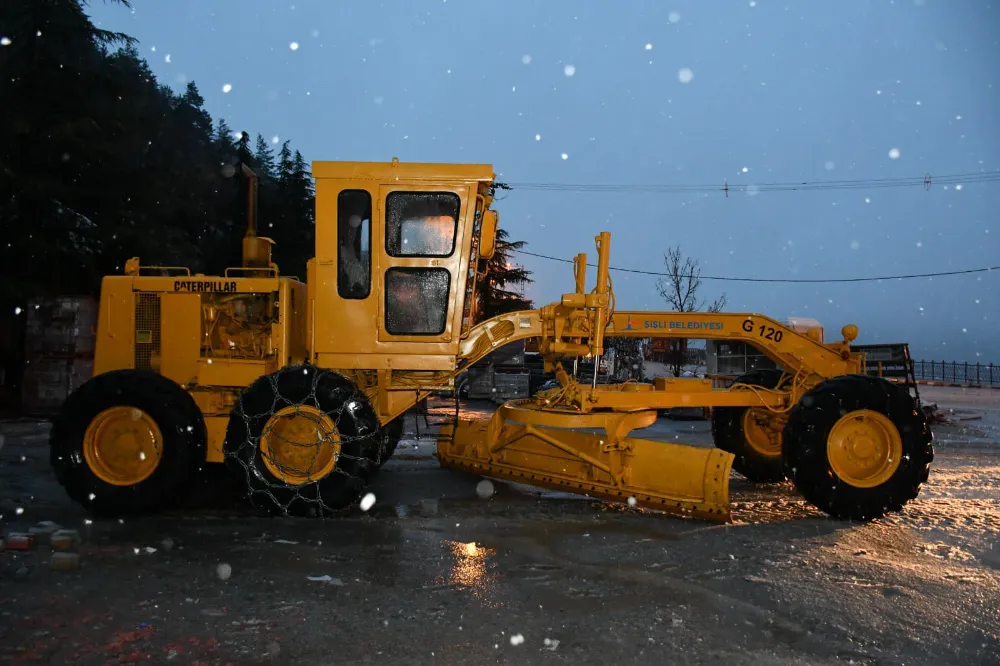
(434, 573)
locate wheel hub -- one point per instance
(300, 444)
(760, 438)
(864, 448)
(123, 446)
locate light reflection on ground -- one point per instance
(472, 569)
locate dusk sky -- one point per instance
(665, 93)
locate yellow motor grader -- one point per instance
(300, 386)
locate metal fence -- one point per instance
(958, 372)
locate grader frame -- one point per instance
(299, 387)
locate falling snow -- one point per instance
(674, 17)
(526, 59)
(485, 489)
(565, 156)
(569, 70)
(894, 154)
(685, 75)
(294, 46)
(226, 88)
(5, 41)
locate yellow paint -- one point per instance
(180, 314)
(522, 443)
(488, 234)
(397, 171)
(294, 322)
(115, 325)
(762, 439)
(864, 448)
(223, 372)
(122, 446)
(215, 428)
(300, 444)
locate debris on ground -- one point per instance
(933, 414)
(20, 541)
(43, 531)
(64, 540)
(65, 561)
(326, 578)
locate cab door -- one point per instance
(421, 262)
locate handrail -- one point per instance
(185, 269)
(272, 270)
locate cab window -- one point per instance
(354, 242)
(421, 224)
(416, 300)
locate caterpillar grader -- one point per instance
(300, 387)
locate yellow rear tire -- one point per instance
(128, 442)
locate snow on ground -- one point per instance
(973, 415)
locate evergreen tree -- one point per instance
(496, 290)
(264, 158)
(100, 162)
(285, 167)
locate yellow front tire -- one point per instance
(858, 447)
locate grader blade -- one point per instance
(536, 448)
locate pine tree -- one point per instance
(52, 121)
(285, 167)
(495, 291)
(264, 158)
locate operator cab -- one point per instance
(392, 284)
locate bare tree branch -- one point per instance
(679, 288)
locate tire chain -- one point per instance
(358, 456)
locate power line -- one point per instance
(784, 280)
(926, 181)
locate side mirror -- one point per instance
(488, 234)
